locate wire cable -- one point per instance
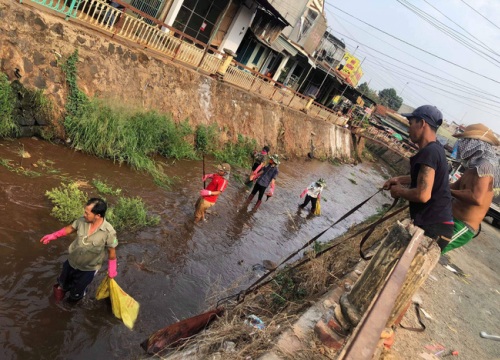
(484, 17)
(416, 47)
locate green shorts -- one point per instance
(462, 234)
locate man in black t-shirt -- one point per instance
(429, 190)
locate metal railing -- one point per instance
(124, 21)
(65, 7)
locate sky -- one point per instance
(467, 92)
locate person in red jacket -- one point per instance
(209, 196)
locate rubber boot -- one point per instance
(248, 200)
(58, 293)
(257, 204)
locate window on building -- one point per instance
(150, 7)
(257, 56)
(198, 18)
(307, 21)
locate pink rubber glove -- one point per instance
(303, 193)
(271, 190)
(255, 173)
(112, 268)
(207, 176)
(48, 238)
(205, 192)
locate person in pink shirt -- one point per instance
(209, 195)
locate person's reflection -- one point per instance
(240, 222)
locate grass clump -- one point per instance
(104, 188)
(130, 214)
(286, 289)
(237, 153)
(68, 202)
(7, 104)
(18, 169)
(206, 141)
(126, 214)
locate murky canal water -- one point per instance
(169, 269)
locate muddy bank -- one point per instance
(37, 43)
(169, 269)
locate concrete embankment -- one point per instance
(35, 42)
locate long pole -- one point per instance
(204, 182)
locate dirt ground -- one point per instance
(460, 305)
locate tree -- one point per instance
(389, 98)
(369, 93)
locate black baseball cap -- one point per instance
(429, 113)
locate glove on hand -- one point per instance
(303, 193)
(207, 176)
(48, 238)
(205, 192)
(112, 268)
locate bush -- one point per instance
(237, 154)
(174, 143)
(130, 214)
(127, 214)
(7, 103)
(68, 202)
(206, 140)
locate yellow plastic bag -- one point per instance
(317, 211)
(123, 305)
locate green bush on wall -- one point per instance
(7, 103)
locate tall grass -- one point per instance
(7, 103)
(131, 214)
(206, 139)
(133, 136)
(237, 153)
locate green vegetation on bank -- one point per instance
(207, 142)
(124, 214)
(19, 103)
(133, 136)
(7, 100)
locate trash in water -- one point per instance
(254, 321)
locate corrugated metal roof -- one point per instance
(281, 44)
(267, 6)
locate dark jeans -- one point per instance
(75, 281)
(261, 189)
(312, 200)
(442, 232)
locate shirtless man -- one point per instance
(474, 191)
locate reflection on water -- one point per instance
(168, 269)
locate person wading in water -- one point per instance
(265, 177)
(209, 196)
(86, 252)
